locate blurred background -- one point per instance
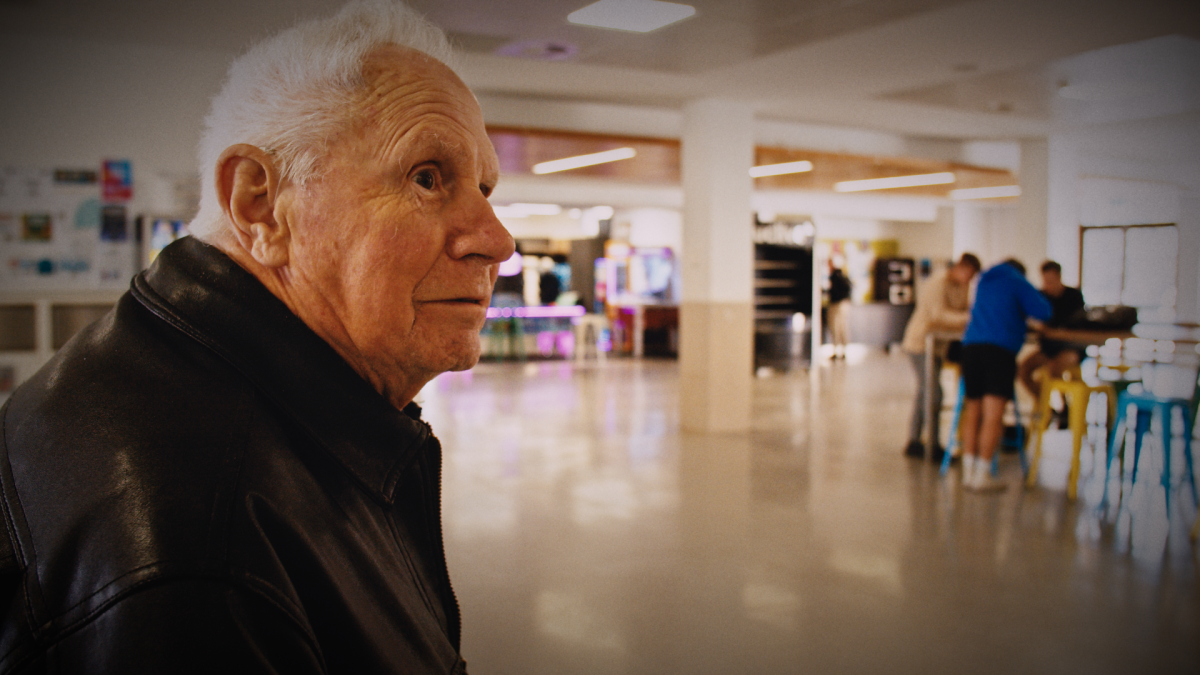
(657, 467)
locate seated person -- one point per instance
(1066, 303)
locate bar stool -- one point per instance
(1142, 411)
(1076, 395)
(588, 329)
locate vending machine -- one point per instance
(894, 278)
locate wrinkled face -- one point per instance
(396, 239)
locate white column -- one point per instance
(716, 335)
(1062, 208)
(971, 231)
(1048, 213)
(1029, 242)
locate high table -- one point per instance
(1083, 336)
(1075, 336)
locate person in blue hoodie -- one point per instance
(1004, 299)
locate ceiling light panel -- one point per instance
(785, 168)
(987, 192)
(894, 182)
(568, 163)
(639, 16)
(524, 210)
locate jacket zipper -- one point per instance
(457, 627)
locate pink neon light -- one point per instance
(547, 312)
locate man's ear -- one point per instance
(248, 187)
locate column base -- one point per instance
(716, 364)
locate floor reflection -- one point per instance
(586, 534)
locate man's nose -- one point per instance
(482, 234)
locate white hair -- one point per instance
(292, 92)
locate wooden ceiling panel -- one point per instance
(831, 168)
(657, 159)
(658, 162)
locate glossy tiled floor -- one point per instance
(586, 534)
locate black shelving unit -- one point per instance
(782, 288)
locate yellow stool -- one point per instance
(1075, 393)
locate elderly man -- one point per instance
(227, 473)
(943, 303)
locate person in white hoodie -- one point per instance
(943, 305)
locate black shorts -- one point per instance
(988, 369)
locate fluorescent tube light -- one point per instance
(538, 209)
(781, 169)
(568, 163)
(523, 210)
(987, 192)
(894, 182)
(639, 16)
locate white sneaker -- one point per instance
(968, 469)
(983, 481)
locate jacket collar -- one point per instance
(203, 293)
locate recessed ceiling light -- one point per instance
(639, 16)
(894, 182)
(579, 161)
(781, 169)
(544, 50)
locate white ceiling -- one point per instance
(934, 68)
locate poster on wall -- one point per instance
(57, 234)
(117, 181)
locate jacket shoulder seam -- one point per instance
(158, 306)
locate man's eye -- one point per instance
(426, 179)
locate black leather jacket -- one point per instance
(199, 483)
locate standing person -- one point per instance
(943, 302)
(839, 304)
(1066, 303)
(227, 474)
(1004, 299)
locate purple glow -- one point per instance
(547, 312)
(510, 267)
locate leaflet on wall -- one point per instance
(117, 181)
(56, 234)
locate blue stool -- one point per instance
(1147, 408)
(953, 442)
